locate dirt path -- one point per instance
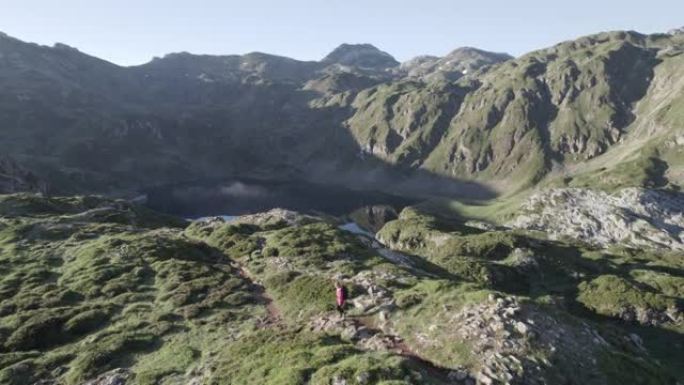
(273, 315)
(367, 336)
(397, 345)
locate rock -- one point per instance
(363, 378)
(274, 216)
(458, 375)
(480, 225)
(523, 259)
(510, 312)
(676, 31)
(522, 328)
(364, 56)
(373, 218)
(634, 217)
(118, 376)
(484, 379)
(636, 340)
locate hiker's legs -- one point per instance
(340, 310)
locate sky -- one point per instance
(130, 32)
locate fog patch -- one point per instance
(242, 190)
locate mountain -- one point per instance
(14, 178)
(599, 104)
(457, 63)
(602, 105)
(533, 236)
(361, 56)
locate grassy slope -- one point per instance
(90, 284)
(596, 285)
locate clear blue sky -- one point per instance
(133, 31)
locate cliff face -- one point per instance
(14, 178)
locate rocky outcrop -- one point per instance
(502, 333)
(373, 218)
(676, 31)
(14, 178)
(276, 216)
(118, 376)
(459, 62)
(632, 217)
(364, 56)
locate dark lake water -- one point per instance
(247, 196)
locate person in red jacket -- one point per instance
(341, 296)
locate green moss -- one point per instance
(105, 294)
(620, 368)
(109, 291)
(610, 295)
(38, 331)
(463, 253)
(233, 239)
(302, 296)
(647, 170)
(315, 244)
(172, 358)
(87, 321)
(35, 205)
(288, 357)
(108, 353)
(367, 369)
(439, 301)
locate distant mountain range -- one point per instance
(606, 108)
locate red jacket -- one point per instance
(341, 294)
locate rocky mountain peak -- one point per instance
(362, 56)
(676, 31)
(471, 52)
(65, 47)
(455, 64)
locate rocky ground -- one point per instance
(103, 292)
(633, 217)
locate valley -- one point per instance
(495, 219)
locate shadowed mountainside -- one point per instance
(602, 105)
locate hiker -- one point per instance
(341, 295)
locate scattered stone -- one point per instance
(480, 225)
(634, 217)
(502, 333)
(117, 376)
(276, 216)
(636, 340)
(522, 328)
(458, 375)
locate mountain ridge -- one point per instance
(533, 236)
(471, 116)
